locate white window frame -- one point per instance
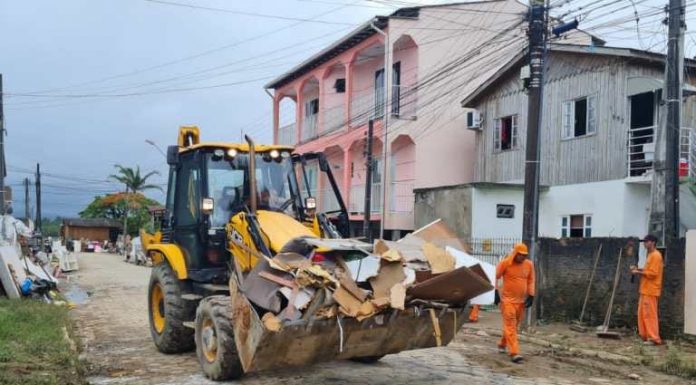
(514, 133)
(568, 117)
(586, 225)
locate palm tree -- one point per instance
(135, 183)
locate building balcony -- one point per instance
(287, 135)
(402, 197)
(641, 151)
(309, 128)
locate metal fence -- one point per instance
(287, 134)
(490, 250)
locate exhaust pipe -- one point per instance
(252, 173)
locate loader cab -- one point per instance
(209, 184)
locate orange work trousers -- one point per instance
(512, 316)
(473, 314)
(648, 324)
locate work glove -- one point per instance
(497, 298)
(529, 301)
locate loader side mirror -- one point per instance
(173, 155)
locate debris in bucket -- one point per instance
(350, 278)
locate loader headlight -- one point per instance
(207, 206)
(310, 203)
(274, 154)
(232, 152)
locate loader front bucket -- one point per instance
(305, 342)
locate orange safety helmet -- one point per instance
(520, 248)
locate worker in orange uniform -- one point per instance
(517, 273)
(650, 288)
(474, 313)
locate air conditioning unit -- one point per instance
(473, 120)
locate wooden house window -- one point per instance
(505, 135)
(579, 117)
(576, 226)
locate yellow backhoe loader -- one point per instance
(241, 217)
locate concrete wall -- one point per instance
(485, 223)
(564, 267)
(618, 209)
(452, 204)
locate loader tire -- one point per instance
(367, 360)
(168, 312)
(215, 347)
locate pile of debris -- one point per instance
(325, 278)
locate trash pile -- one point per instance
(325, 278)
(35, 276)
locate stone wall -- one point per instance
(565, 265)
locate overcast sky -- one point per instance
(86, 82)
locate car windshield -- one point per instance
(230, 192)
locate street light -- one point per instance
(153, 144)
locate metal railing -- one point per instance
(287, 134)
(404, 101)
(309, 128)
(641, 150)
(334, 118)
(357, 198)
(363, 107)
(490, 250)
(402, 197)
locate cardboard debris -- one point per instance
(315, 275)
(327, 312)
(464, 259)
(439, 259)
(392, 255)
(353, 288)
(271, 322)
(457, 287)
(397, 296)
(9, 257)
(381, 303)
(262, 291)
(290, 313)
(363, 269)
(340, 244)
(302, 298)
(439, 234)
(348, 304)
(290, 261)
(390, 273)
(410, 249)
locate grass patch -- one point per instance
(34, 348)
(676, 365)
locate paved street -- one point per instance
(112, 321)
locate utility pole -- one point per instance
(367, 231)
(26, 199)
(3, 166)
(38, 198)
(537, 47)
(674, 70)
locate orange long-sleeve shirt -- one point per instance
(518, 279)
(651, 280)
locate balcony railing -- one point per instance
(357, 198)
(402, 197)
(309, 128)
(287, 134)
(641, 151)
(404, 101)
(334, 119)
(363, 107)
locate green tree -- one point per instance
(113, 206)
(135, 183)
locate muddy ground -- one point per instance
(112, 321)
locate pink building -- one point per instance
(435, 55)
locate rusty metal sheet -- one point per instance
(457, 286)
(261, 291)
